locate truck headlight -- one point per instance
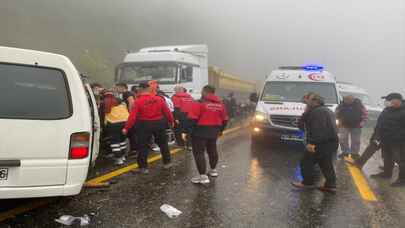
(260, 117)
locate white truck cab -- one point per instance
(280, 103)
(170, 65)
(346, 89)
(49, 125)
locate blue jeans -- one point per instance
(350, 140)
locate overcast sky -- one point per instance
(359, 41)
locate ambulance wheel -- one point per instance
(256, 140)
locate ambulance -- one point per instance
(280, 103)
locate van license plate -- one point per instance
(297, 138)
(3, 174)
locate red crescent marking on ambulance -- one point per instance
(316, 77)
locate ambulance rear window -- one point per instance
(29, 92)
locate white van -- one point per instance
(49, 125)
(280, 104)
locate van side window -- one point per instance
(29, 92)
(186, 73)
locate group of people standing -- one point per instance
(389, 136)
(144, 114)
(325, 130)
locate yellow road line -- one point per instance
(42, 202)
(129, 168)
(361, 184)
(229, 131)
(126, 169)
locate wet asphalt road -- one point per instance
(253, 190)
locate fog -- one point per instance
(359, 41)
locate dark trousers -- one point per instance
(178, 135)
(200, 145)
(324, 158)
(117, 139)
(188, 141)
(394, 152)
(368, 153)
(182, 128)
(133, 139)
(147, 129)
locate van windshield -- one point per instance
(28, 92)
(134, 73)
(294, 91)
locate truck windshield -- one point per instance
(133, 73)
(294, 91)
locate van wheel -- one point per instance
(65, 200)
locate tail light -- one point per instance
(79, 145)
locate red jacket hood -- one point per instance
(144, 95)
(185, 95)
(213, 98)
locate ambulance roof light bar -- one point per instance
(305, 68)
(313, 68)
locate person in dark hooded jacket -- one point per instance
(390, 130)
(321, 144)
(352, 116)
(209, 118)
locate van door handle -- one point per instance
(10, 163)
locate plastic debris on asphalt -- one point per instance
(170, 211)
(69, 220)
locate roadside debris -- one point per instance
(170, 211)
(69, 220)
(102, 200)
(100, 185)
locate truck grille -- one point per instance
(285, 121)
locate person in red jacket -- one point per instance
(182, 102)
(154, 87)
(151, 114)
(209, 121)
